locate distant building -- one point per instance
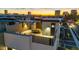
(73, 12)
(30, 16)
(5, 11)
(57, 12)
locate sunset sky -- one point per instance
(36, 11)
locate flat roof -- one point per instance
(9, 21)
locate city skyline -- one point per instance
(38, 11)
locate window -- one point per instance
(11, 23)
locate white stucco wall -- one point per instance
(18, 42)
(38, 46)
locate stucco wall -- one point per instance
(16, 28)
(18, 42)
(37, 46)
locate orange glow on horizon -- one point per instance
(34, 12)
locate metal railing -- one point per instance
(57, 37)
(74, 37)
